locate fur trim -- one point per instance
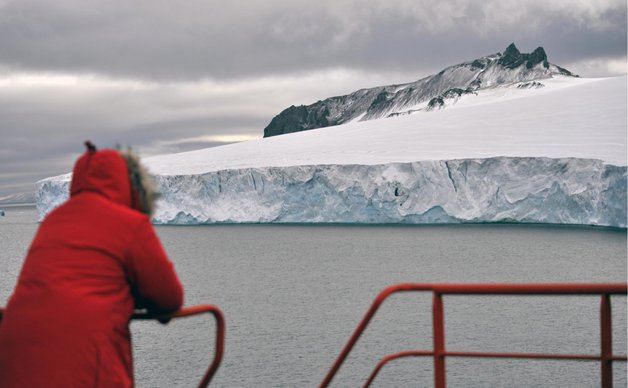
(142, 186)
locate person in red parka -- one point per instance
(93, 261)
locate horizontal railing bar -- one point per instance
(428, 353)
(506, 289)
(184, 312)
(548, 356)
(556, 356)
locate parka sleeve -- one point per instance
(154, 282)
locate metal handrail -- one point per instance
(186, 312)
(220, 332)
(606, 356)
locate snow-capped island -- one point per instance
(504, 138)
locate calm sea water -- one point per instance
(292, 296)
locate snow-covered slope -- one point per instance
(429, 93)
(551, 153)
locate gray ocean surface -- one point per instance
(292, 295)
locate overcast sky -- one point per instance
(167, 76)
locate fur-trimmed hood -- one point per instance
(117, 175)
(143, 188)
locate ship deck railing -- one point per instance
(439, 353)
(606, 357)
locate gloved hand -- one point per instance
(164, 320)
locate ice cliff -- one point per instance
(501, 189)
(564, 191)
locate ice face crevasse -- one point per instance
(500, 189)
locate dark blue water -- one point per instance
(292, 296)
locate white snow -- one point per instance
(552, 154)
(570, 117)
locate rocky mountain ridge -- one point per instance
(429, 93)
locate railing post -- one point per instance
(606, 354)
(438, 327)
(220, 348)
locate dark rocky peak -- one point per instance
(537, 57)
(512, 51)
(513, 58)
(299, 118)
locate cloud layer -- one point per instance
(166, 76)
(217, 39)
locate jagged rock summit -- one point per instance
(513, 58)
(434, 92)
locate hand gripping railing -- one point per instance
(606, 356)
(186, 312)
(220, 332)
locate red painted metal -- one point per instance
(438, 328)
(187, 312)
(606, 342)
(606, 356)
(220, 332)
(387, 359)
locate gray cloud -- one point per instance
(194, 39)
(168, 77)
(44, 118)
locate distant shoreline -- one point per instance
(12, 205)
(400, 225)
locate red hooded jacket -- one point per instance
(94, 259)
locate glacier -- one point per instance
(553, 154)
(561, 191)
(501, 189)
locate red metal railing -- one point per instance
(605, 358)
(187, 312)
